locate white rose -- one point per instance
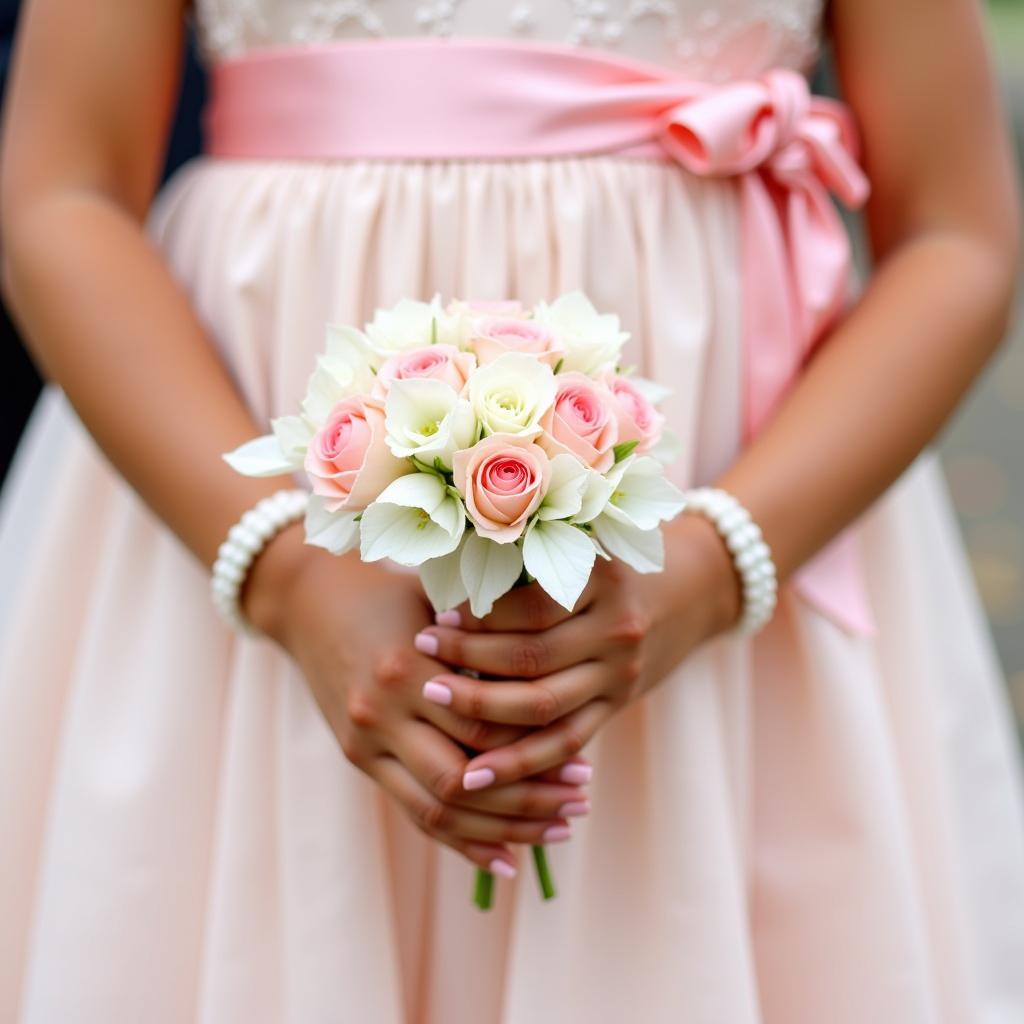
(425, 418)
(511, 394)
(593, 341)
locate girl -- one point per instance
(822, 823)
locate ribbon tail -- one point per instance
(781, 305)
(772, 351)
(821, 259)
(833, 581)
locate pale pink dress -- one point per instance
(813, 828)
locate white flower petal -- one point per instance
(645, 496)
(324, 391)
(442, 581)
(425, 418)
(293, 434)
(450, 515)
(489, 570)
(404, 534)
(596, 492)
(593, 341)
(348, 344)
(564, 497)
(336, 532)
(560, 558)
(406, 325)
(642, 550)
(260, 457)
(415, 490)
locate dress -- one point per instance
(813, 826)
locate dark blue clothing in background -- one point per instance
(19, 382)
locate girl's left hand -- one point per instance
(571, 672)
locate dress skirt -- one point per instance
(803, 828)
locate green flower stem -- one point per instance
(547, 883)
(483, 891)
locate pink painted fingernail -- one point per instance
(574, 809)
(437, 692)
(503, 868)
(557, 833)
(576, 774)
(450, 618)
(426, 643)
(478, 778)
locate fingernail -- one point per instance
(576, 774)
(478, 778)
(426, 643)
(450, 618)
(574, 809)
(437, 692)
(503, 868)
(556, 833)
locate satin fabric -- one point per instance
(785, 149)
(807, 827)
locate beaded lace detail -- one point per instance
(713, 39)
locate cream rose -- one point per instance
(510, 395)
(503, 480)
(348, 461)
(582, 422)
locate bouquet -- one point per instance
(485, 444)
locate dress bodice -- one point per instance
(711, 39)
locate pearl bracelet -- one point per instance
(750, 554)
(245, 540)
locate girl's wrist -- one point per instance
(702, 575)
(271, 578)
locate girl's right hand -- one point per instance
(349, 626)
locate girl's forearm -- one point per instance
(878, 391)
(107, 322)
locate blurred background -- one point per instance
(983, 447)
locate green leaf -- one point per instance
(624, 450)
(433, 330)
(558, 365)
(427, 468)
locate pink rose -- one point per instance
(493, 336)
(638, 419)
(582, 422)
(440, 362)
(503, 479)
(348, 461)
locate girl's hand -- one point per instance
(349, 627)
(572, 672)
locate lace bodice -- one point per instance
(712, 39)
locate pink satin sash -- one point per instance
(486, 98)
